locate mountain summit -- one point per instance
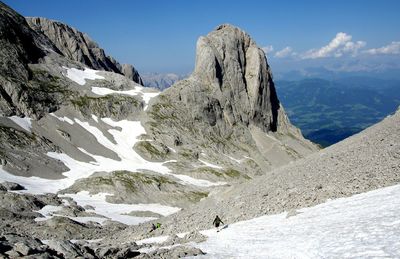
(235, 68)
(78, 46)
(229, 103)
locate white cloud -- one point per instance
(392, 48)
(338, 46)
(268, 49)
(284, 52)
(352, 47)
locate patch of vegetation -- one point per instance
(197, 196)
(138, 177)
(162, 111)
(232, 173)
(209, 170)
(188, 154)
(150, 149)
(105, 105)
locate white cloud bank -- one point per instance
(287, 51)
(338, 46)
(392, 48)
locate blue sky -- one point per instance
(160, 36)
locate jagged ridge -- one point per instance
(78, 46)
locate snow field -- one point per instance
(25, 122)
(125, 134)
(80, 76)
(139, 90)
(362, 226)
(116, 212)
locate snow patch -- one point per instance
(25, 122)
(48, 212)
(211, 165)
(80, 76)
(153, 240)
(64, 119)
(118, 212)
(126, 134)
(139, 90)
(362, 226)
(95, 118)
(234, 159)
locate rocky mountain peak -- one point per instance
(78, 46)
(232, 65)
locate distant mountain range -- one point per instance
(161, 81)
(328, 111)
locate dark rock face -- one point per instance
(78, 46)
(130, 72)
(20, 46)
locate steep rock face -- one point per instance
(130, 72)
(78, 46)
(230, 63)
(20, 46)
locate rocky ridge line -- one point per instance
(78, 46)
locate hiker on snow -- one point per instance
(217, 221)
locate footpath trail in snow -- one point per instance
(362, 226)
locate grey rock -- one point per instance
(130, 72)
(231, 65)
(10, 186)
(78, 46)
(134, 187)
(20, 46)
(66, 248)
(20, 204)
(23, 248)
(174, 252)
(24, 154)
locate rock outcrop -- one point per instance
(228, 104)
(78, 46)
(231, 65)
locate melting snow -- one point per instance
(211, 165)
(116, 211)
(48, 212)
(65, 119)
(95, 118)
(234, 159)
(139, 90)
(25, 122)
(153, 240)
(362, 226)
(80, 76)
(126, 134)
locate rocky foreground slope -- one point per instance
(364, 162)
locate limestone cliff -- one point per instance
(78, 46)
